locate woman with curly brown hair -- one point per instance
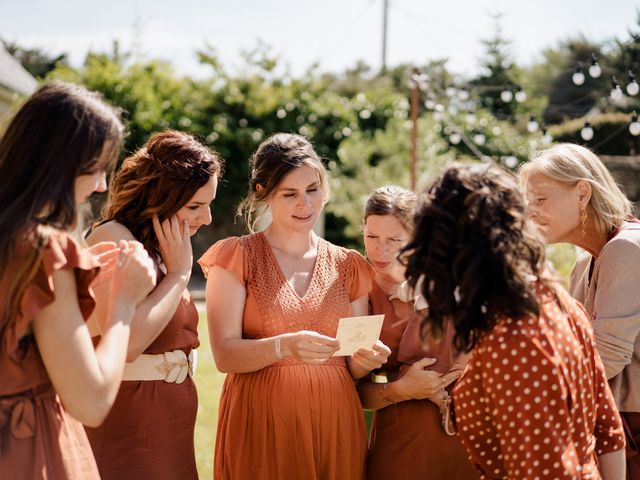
(534, 399)
(161, 196)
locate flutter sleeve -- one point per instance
(360, 275)
(228, 254)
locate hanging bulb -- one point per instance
(632, 87)
(587, 132)
(463, 95)
(510, 161)
(546, 137)
(532, 125)
(521, 95)
(594, 70)
(451, 92)
(430, 104)
(616, 91)
(506, 96)
(634, 126)
(455, 138)
(578, 77)
(479, 138)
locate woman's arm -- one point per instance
(155, 312)
(226, 298)
(613, 465)
(87, 380)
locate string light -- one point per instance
(546, 137)
(455, 138)
(616, 91)
(532, 125)
(634, 126)
(479, 138)
(587, 132)
(578, 77)
(506, 96)
(594, 70)
(521, 95)
(632, 87)
(510, 161)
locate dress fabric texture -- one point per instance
(407, 438)
(38, 438)
(534, 399)
(291, 420)
(149, 432)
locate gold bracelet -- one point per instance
(383, 394)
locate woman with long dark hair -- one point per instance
(53, 155)
(161, 196)
(533, 400)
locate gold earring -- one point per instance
(583, 220)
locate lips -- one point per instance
(381, 265)
(303, 219)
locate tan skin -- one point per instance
(155, 312)
(384, 236)
(295, 205)
(555, 208)
(87, 379)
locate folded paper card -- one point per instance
(356, 332)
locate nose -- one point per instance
(206, 216)
(101, 184)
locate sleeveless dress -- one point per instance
(38, 438)
(407, 439)
(149, 432)
(291, 420)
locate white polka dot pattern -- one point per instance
(534, 401)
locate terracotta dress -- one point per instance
(534, 401)
(291, 420)
(149, 431)
(407, 439)
(38, 439)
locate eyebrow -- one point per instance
(314, 184)
(197, 203)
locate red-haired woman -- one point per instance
(161, 196)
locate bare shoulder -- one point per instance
(110, 232)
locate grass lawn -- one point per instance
(209, 383)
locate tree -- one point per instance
(34, 60)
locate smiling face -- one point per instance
(297, 200)
(384, 236)
(197, 211)
(554, 207)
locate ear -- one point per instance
(259, 187)
(583, 188)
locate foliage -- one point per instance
(34, 60)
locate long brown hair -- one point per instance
(61, 132)
(395, 201)
(159, 179)
(474, 252)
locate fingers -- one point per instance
(186, 235)
(102, 248)
(320, 339)
(157, 228)
(426, 362)
(450, 377)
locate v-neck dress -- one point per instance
(290, 419)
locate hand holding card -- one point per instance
(358, 332)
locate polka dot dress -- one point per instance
(534, 401)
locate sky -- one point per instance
(334, 33)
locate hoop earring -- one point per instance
(583, 220)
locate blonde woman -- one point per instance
(573, 199)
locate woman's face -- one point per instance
(297, 200)
(197, 211)
(85, 185)
(554, 207)
(384, 236)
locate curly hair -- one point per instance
(159, 179)
(473, 253)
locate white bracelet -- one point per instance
(278, 351)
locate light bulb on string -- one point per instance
(463, 95)
(532, 125)
(634, 126)
(479, 138)
(506, 95)
(587, 132)
(632, 87)
(451, 92)
(546, 137)
(510, 161)
(595, 70)
(578, 77)
(430, 104)
(521, 95)
(455, 138)
(616, 91)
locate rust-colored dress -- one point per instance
(407, 438)
(291, 420)
(534, 401)
(38, 438)
(149, 431)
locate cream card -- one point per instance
(356, 332)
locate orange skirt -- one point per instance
(408, 442)
(290, 420)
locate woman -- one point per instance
(533, 401)
(52, 378)
(161, 196)
(288, 408)
(573, 199)
(408, 439)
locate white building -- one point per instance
(15, 81)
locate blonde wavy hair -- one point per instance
(569, 163)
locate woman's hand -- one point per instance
(418, 383)
(364, 360)
(308, 346)
(134, 274)
(174, 243)
(106, 254)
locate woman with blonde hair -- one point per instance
(573, 199)
(409, 437)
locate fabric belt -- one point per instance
(172, 367)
